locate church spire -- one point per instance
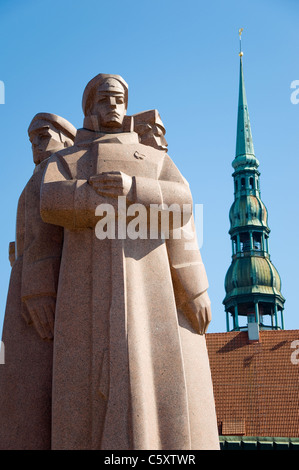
(245, 156)
(252, 283)
(244, 145)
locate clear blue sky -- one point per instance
(180, 57)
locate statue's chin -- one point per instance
(39, 157)
(114, 124)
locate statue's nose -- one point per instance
(35, 141)
(112, 100)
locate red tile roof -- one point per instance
(256, 384)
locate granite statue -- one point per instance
(26, 376)
(130, 364)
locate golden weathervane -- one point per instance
(240, 34)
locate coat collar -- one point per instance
(86, 137)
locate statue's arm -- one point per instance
(169, 190)
(190, 282)
(186, 263)
(19, 244)
(70, 203)
(42, 246)
(20, 226)
(189, 276)
(41, 263)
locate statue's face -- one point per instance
(109, 105)
(45, 141)
(155, 138)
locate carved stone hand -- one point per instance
(42, 312)
(200, 309)
(112, 183)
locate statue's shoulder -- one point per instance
(66, 160)
(150, 152)
(68, 154)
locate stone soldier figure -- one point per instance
(128, 373)
(189, 277)
(26, 376)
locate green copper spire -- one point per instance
(244, 137)
(252, 283)
(245, 157)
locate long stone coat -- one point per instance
(129, 371)
(26, 376)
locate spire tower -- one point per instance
(252, 283)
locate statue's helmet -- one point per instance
(42, 120)
(104, 82)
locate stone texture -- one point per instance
(128, 368)
(26, 376)
(130, 371)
